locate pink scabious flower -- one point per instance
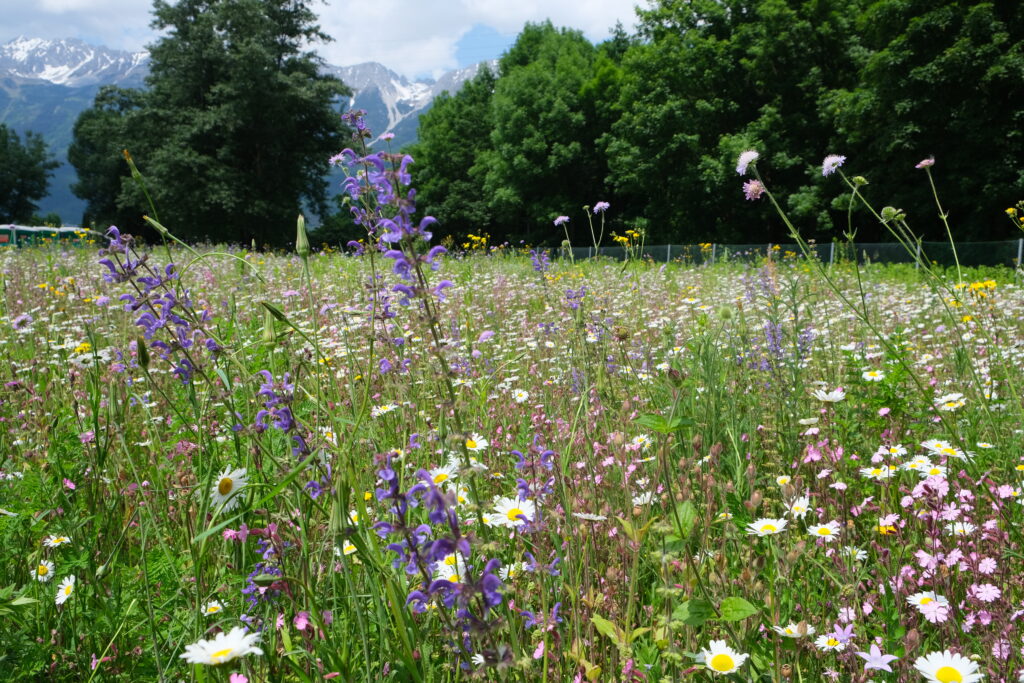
(831, 163)
(985, 592)
(753, 189)
(925, 163)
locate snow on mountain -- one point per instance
(71, 62)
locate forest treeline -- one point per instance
(653, 123)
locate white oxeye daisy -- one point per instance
(898, 449)
(794, 630)
(798, 508)
(873, 375)
(878, 473)
(922, 599)
(383, 409)
(782, 480)
(985, 444)
(56, 541)
(225, 491)
(946, 667)
(855, 553)
(827, 532)
(223, 648)
(642, 441)
(766, 526)
(828, 642)
(960, 528)
(586, 516)
(475, 443)
(834, 396)
(512, 570)
(512, 512)
(65, 590)
(444, 473)
(520, 396)
(932, 471)
(44, 571)
(213, 607)
(721, 658)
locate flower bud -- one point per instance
(268, 326)
(140, 347)
(860, 180)
(301, 240)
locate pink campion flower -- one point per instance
(68, 484)
(925, 163)
(301, 620)
(987, 566)
(985, 592)
(87, 437)
(1001, 649)
(238, 678)
(539, 652)
(935, 612)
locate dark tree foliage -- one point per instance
(234, 131)
(25, 170)
(449, 174)
(943, 79)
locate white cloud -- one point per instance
(412, 37)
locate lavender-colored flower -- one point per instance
(876, 659)
(561, 220)
(925, 163)
(601, 207)
(745, 160)
(753, 189)
(831, 163)
(540, 260)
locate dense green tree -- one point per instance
(99, 138)
(711, 78)
(449, 175)
(25, 170)
(236, 126)
(943, 79)
(545, 160)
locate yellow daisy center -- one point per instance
(513, 514)
(925, 601)
(877, 471)
(470, 444)
(221, 655)
(722, 662)
(43, 570)
(212, 609)
(768, 528)
(824, 531)
(831, 642)
(948, 674)
(225, 485)
(69, 589)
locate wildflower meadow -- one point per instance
(404, 462)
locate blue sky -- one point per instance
(412, 37)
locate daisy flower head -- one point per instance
(43, 571)
(794, 630)
(476, 443)
(872, 375)
(721, 658)
(383, 409)
(229, 484)
(853, 553)
(946, 667)
(224, 647)
(213, 607)
(782, 480)
(520, 396)
(65, 590)
(444, 473)
(746, 159)
(829, 642)
(512, 512)
(766, 526)
(960, 528)
(831, 163)
(898, 450)
(641, 441)
(921, 599)
(826, 532)
(879, 473)
(56, 541)
(798, 508)
(834, 396)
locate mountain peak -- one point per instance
(70, 62)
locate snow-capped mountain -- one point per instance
(71, 62)
(46, 84)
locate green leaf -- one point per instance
(694, 612)
(684, 519)
(23, 600)
(607, 628)
(736, 609)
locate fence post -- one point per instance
(590, 252)
(1020, 250)
(668, 254)
(917, 258)
(714, 252)
(832, 253)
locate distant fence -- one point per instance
(13, 235)
(1002, 253)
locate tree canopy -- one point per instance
(25, 170)
(233, 131)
